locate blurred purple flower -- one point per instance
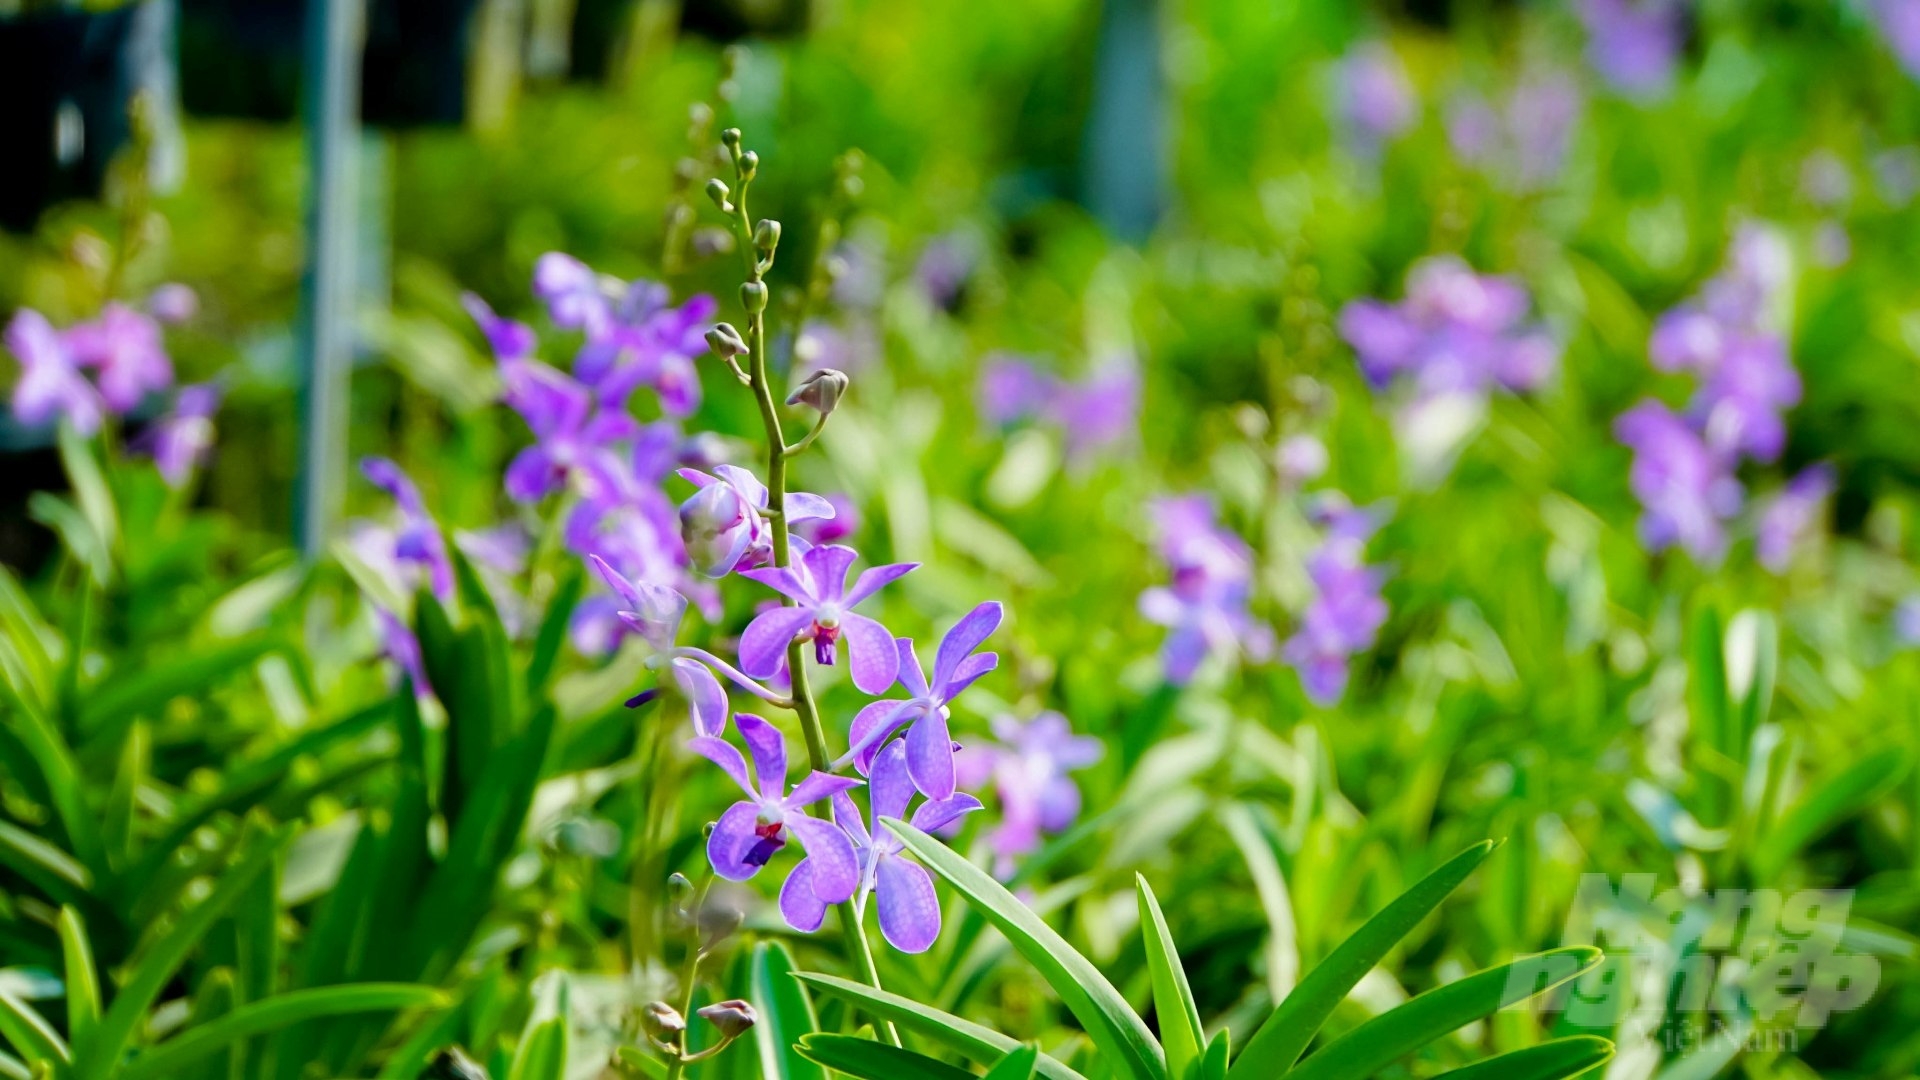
(123, 347)
(851, 347)
(181, 440)
(1906, 621)
(946, 264)
(753, 830)
(1740, 405)
(903, 891)
(1377, 101)
(1523, 144)
(417, 542)
(844, 522)
(51, 385)
(929, 743)
(1686, 488)
(1456, 332)
(573, 293)
(1028, 764)
(1346, 612)
(1205, 606)
(824, 614)
(1300, 458)
(1792, 515)
(1633, 44)
(1011, 389)
(509, 340)
(569, 428)
(1100, 412)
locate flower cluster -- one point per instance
(1027, 764)
(1205, 605)
(1347, 610)
(1684, 464)
(1457, 332)
(1095, 414)
(112, 365)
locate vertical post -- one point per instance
(335, 30)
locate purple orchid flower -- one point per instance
(844, 522)
(723, 524)
(1791, 516)
(51, 385)
(398, 644)
(1633, 44)
(572, 291)
(181, 440)
(753, 830)
(1028, 763)
(1343, 619)
(903, 890)
(173, 303)
(654, 613)
(1376, 100)
(1899, 22)
(929, 744)
(124, 347)
(649, 342)
(1011, 389)
(1100, 412)
(1206, 603)
(823, 613)
(418, 542)
(1456, 332)
(567, 426)
(1739, 407)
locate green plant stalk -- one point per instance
(696, 951)
(804, 705)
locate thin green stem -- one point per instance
(804, 705)
(696, 952)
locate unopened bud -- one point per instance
(731, 138)
(749, 164)
(822, 390)
(766, 235)
(662, 1021)
(726, 342)
(753, 297)
(679, 894)
(718, 191)
(718, 921)
(733, 1018)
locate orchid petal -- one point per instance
(827, 567)
(912, 675)
(533, 475)
(836, 866)
(769, 749)
(734, 841)
(819, 785)
(873, 660)
(909, 908)
(783, 580)
(706, 698)
(973, 628)
(873, 725)
(939, 813)
(803, 506)
(891, 789)
(969, 672)
(874, 578)
(764, 643)
(721, 753)
(803, 910)
(747, 484)
(930, 756)
(847, 816)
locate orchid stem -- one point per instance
(804, 705)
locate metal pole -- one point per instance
(335, 33)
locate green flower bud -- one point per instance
(733, 1018)
(726, 342)
(749, 164)
(766, 235)
(662, 1021)
(731, 139)
(753, 297)
(718, 191)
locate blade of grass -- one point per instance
(972, 1041)
(276, 1012)
(1280, 1040)
(786, 1015)
(30, 1033)
(83, 983)
(1173, 1005)
(864, 1059)
(1556, 1060)
(1114, 1027)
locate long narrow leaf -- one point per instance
(864, 1059)
(276, 1012)
(83, 985)
(153, 971)
(1114, 1027)
(30, 1033)
(1019, 1065)
(1179, 1017)
(786, 1016)
(1556, 1060)
(1289, 1028)
(1393, 1034)
(964, 1037)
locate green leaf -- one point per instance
(53, 870)
(91, 491)
(785, 1014)
(1214, 1065)
(1114, 1027)
(1390, 1036)
(1843, 797)
(553, 631)
(30, 1033)
(83, 983)
(110, 708)
(542, 1053)
(94, 1058)
(634, 1059)
(122, 797)
(62, 777)
(1280, 1040)
(277, 1012)
(1179, 1017)
(864, 1059)
(1554, 1060)
(1018, 1065)
(964, 1037)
